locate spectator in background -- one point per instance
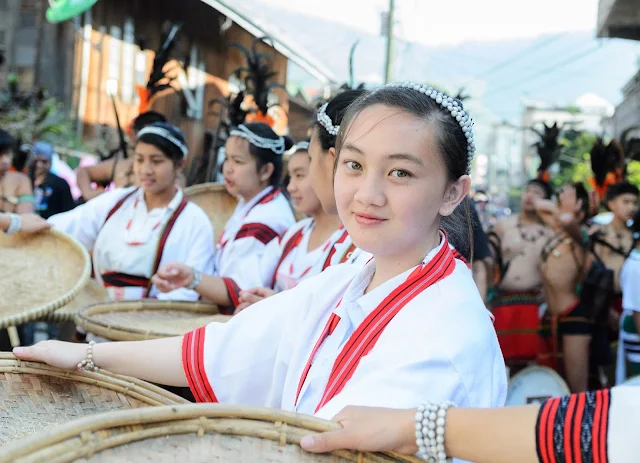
(52, 193)
(16, 194)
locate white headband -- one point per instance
(276, 145)
(302, 146)
(326, 122)
(164, 133)
(453, 106)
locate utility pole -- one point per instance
(388, 67)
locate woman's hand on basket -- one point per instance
(367, 429)
(32, 223)
(172, 276)
(66, 355)
(251, 296)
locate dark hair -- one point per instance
(7, 142)
(169, 148)
(583, 195)
(147, 118)
(265, 156)
(546, 186)
(336, 109)
(451, 140)
(622, 188)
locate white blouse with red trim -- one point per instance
(438, 345)
(253, 225)
(297, 263)
(128, 241)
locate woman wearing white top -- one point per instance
(304, 250)
(629, 345)
(134, 230)
(408, 326)
(252, 171)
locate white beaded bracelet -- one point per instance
(430, 427)
(87, 363)
(14, 225)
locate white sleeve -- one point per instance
(195, 244)
(242, 270)
(630, 283)
(269, 261)
(245, 361)
(85, 221)
(624, 422)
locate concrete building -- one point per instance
(619, 18)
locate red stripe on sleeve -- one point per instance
(543, 450)
(233, 290)
(568, 428)
(595, 435)
(577, 427)
(604, 422)
(549, 430)
(208, 393)
(187, 350)
(258, 231)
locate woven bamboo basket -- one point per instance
(195, 433)
(214, 200)
(146, 319)
(92, 293)
(36, 397)
(39, 273)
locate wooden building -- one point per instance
(111, 49)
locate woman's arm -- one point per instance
(158, 361)
(25, 190)
(172, 276)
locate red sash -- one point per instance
(124, 280)
(369, 331)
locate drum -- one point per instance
(39, 273)
(36, 397)
(214, 200)
(535, 384)
(92, 293)
(146, 319)
(196, 433)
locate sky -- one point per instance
(457, 21)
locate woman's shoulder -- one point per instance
(274, 211)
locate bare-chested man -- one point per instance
(16, 193)
(565, 259)
(517, 242)
(614, 242)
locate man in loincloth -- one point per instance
(614, 242)
(16, 194)
(516, 243)
(567, 325)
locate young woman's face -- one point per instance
(390, 183)
(240, 170)
(321, 172)
(154, 170)
(300, 186)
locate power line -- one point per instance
(546, 71)
(519, 55)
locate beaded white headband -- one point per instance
(164, 133)
(453, 106)
(326, 122)
(276, 145)
(302, 146)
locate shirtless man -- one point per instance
(564, 262)
(103, 173)
(517, 242)
(16, 194)
(614, 242)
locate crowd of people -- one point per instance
(388, 293)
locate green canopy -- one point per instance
(62, 10)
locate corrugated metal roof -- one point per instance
(258, 28)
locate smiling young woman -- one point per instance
(305, 249)
(132, 231)
(406, 327)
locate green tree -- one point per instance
(573, 159)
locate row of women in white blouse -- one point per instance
(378, 313)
